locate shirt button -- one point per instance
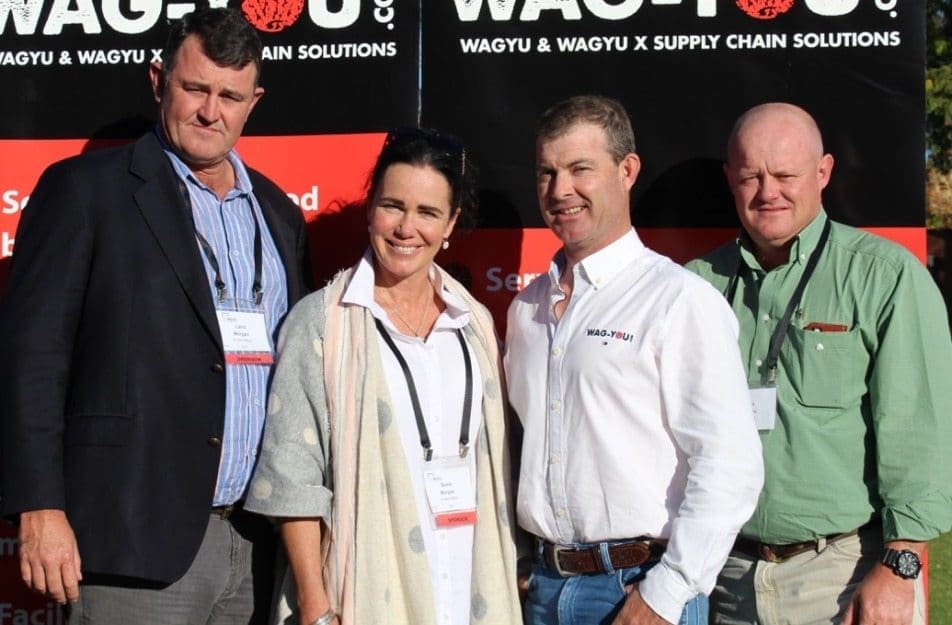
(819, 347)
(759, 362)
(557, 351)
(554, 405)
(554, 459)
(560, 513)
(766, 317)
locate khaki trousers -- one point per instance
(811, 588)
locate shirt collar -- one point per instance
(360, 292)
(599, 268)
(803, 244)
(242, 180)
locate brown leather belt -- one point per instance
(779, 553)
(569, 561)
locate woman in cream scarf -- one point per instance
(388, 381)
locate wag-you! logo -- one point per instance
(531, 10)
(132, 17)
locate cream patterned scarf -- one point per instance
(375, 566)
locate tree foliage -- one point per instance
(939, 83)
(939, 113)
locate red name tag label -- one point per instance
(456, 519)
(249, 358)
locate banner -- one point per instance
(76, 79)
(685, 70)
(79, 69)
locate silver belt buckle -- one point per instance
(556, 550)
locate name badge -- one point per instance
(763, 400)
(244, 336)
(450, 492)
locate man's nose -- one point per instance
(768, 189)
(210, 109)
(561, 185)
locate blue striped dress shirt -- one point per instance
(229, 227)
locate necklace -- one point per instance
(409, 326)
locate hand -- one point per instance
(636, 612)
(49, 556)
(523, 573)
(882, 598)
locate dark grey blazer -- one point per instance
(112, 388)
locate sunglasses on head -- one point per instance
(444, 143)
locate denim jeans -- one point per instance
(593, 599)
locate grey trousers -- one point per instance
(230, 582)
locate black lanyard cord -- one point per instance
(256, 289)
(780, 332)
(415, 400)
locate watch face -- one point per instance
(907, 564)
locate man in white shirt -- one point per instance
(640, 460)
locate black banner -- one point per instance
(685, 69)
(78, 69)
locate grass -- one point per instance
(940, 581)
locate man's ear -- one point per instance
(259, 91)
(825, 169)
(628, 168)
(157, 78)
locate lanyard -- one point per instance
(415, 400)
(780, 333)
(256, 289)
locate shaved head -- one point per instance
(778, 114)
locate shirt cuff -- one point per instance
(665, 593)
(924, 521)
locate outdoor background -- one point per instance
(939, 221)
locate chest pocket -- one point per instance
(827, 369)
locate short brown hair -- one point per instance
(606, 113)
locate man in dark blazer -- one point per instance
(131, 407)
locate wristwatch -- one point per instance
(904, 563)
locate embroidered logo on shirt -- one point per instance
(617, 335)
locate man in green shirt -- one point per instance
(846, 343)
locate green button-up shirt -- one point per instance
(863, 424)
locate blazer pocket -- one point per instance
(98, 430)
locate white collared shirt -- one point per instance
(637, 415)
(437, 367)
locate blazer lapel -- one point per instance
(164, 209)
